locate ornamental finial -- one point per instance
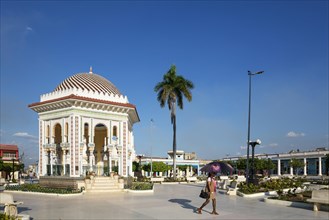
(91, 70)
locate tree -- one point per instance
(265, 165)
(159, 167)
(147, 167)
(296, 164)
(171, 90)
(135, 166)
(241, 164)
(1, 164)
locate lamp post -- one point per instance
(140, 156)
(151, 147)
(250, 74)
(253, 145)
(13, 159)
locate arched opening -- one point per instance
(86, 133)
(99, 140)
(66, 132)
(58, 168)
(115, 131)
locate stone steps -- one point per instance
(105, 184)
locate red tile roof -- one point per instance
(8, 147)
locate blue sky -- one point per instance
(212, 43)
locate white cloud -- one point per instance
(273, 145)
(243, 147)
(28, 28)
(295, 134)
(24, 135)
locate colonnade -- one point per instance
(304, 168)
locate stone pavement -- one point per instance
(173, 201)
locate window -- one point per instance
(47, 132)
(86, 131)
(66, 129)
(9, 155)
(115, 131)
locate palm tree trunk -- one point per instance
(174, 146)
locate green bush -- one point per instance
(271, 185)
(171, 179)
(6, 217)
(38, 188)
(141, 186)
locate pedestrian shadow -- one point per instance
(22, 209)
(185, 203)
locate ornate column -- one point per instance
(64, 153)
(63, 161)
(51, 162)
(291, 170)
(120, 158)
(91, 157)
(110, 158)
(47, 151)
(305, 167)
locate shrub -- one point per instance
(271, 185)
(141, 186)
(6, 217)
(171, 179)
(38, 188)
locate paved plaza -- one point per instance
(172, 201)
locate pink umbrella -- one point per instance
(217, 167)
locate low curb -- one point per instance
(46, 194)
(288, 203)
(139, 191)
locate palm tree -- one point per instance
(171, 91)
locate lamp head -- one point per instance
(251, 74)
(254, 143)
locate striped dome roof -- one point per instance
(90, 82)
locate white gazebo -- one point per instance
(85, 124)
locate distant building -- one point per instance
(182, 159)
(9, 154)
(314, 161)
(190, 156)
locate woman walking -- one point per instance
(211, 186)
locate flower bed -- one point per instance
(38, 188)
(270, 185)
(141, 186)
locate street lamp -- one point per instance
(248, 142)
(253, 145)
(13, 159)
(140, 156)
(151, 147)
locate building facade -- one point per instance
(182, 159)
(313, 160)
(85, 125)
(9, 154)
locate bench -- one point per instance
(232, 188)
(224, 184)
(240, 179)
(191, 179)
(319, 197)
(157, 179)
(7, 200)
